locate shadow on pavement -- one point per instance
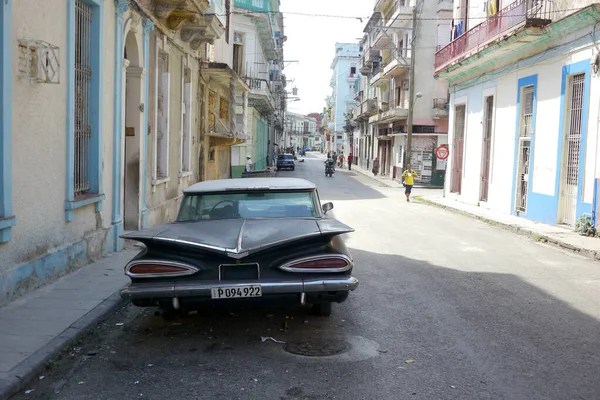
(472, 335)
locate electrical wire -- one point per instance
(252, 12)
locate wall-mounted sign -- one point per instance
(442, 152)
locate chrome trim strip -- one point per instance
(190, 269)
(197, 289)
(289, 266)
(194, 244)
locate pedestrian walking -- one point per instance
(375, 169)
(350, 159)
(248, 163)
(341, 160)
(408, 180)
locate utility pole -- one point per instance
(411, 89)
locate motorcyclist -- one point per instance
(330, 161)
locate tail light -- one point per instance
(319, 264)
(157, 269)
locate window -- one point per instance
(186, 142)
(248, 205)
(352, 71)
(162, 128)
(83, 83)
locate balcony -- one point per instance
(260, 95)
(441, 107)
(198, 21)
(367, 58)
(377, 79)
(394, 66)
(400, 14)
(358, 96)
(502, 25)
(365, 110)
(445, 6)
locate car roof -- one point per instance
(286, 154)
(242, 184)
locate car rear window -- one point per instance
(287, 157)
(300, 204)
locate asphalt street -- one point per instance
(448, 308)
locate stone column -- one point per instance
(232, 118)
(148, 27)
(121, 6)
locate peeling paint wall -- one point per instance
(44, 246)
(163, 198)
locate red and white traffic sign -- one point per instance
(442, 152)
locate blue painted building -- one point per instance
(524, 107)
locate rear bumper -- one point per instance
(203, 289)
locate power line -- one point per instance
(251, 12)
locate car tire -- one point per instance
(293, 168)
(322, 309)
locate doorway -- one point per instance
(458, 144)
(132, 132)
(571, 152)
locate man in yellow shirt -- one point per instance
(408, 179)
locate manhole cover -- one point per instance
(317, 348)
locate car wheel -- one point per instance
(293, 168)
(322, 309)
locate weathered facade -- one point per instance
(56, 144)
(382, 116)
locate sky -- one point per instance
(311, 41)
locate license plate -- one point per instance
(235, 292)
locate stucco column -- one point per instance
(245, 113)
(121, 6)
(148, 27)
(232, 117)
(7, 219)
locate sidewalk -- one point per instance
(395, 183)
(559, 236)
(37, 326)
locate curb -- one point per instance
(16, 379)
(394, 187)
(519, 230)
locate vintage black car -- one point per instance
(252, 239)
(285, 161)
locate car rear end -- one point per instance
(176, 277)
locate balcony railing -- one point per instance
(395, 8)
(527, 12)
(440, 103)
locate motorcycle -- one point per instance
(329, 170)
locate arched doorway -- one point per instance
(133, 76)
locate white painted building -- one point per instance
(524, 129)
(384, 101)
(344, 83)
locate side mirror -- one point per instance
(326, 207)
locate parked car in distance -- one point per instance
(285, 161)
(243, 240)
